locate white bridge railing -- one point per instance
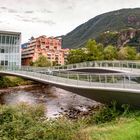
(91, 64)
(112, 64)
(106, 80)
(54, 75)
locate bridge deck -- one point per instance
(124, 87)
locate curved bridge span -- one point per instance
(122, 87)
(102, 67)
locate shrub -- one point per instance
(28, 123)
(109, 113)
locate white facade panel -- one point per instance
(10, 51)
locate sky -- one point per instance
(53, 17)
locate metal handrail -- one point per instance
(112, 64)
(90, 64)
(88, 80)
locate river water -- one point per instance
(55, 100)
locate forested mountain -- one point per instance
(108, 22)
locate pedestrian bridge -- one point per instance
(103, 67)
(123, 87)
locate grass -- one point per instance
(11, 81)
(28, 123)
(122, 129)
(111, 123)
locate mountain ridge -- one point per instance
(110, 21)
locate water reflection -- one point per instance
(19, 97)
(55, 100)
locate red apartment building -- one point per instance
(48, 46)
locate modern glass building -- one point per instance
(10, 52)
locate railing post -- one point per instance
(136, 65)
(105, 80)
(99, 79)
(123, 81)
(113, 64)
(77, 78)
(89, 79)
(113, 79)
(67, 77)
(129, 80)
(119, 64)
(132, 66)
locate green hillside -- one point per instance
(111, 21)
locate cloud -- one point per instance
(9, 10)
(29, 12)
(46, 11)
(37, 20)
(49, 22)
(12, 11)
(2, 7)
(70, 7)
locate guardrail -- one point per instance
(112, 64)
(112, 80)
(105, 64)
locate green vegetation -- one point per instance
(110, 53)
(124, 37)
(95, 51)
(42, 61)
(10, 81)
(28, 123)
(111, 21)
(125, 128)
(108, 123)
(127, 53)
(108, 38)
(76, 56)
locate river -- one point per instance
(55, 100)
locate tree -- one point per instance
(42, 61)
(127, 53)
(94, 50)
(76, 56)
(138, 56)
(108, 37)
(110, 53)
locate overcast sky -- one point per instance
(53, 17)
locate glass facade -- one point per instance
(10, 52)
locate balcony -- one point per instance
(27, 56)
(28, 52)
(28, 49)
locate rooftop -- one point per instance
(10, 32)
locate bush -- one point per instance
(10, 81)
(109, 113)
(28, 123)
(4, 82)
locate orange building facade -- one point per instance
(49, 47)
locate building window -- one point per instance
(2, 63)
(6, 63)
(2, 50)
(3, 39)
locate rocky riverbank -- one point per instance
(57, 102)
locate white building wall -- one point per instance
(10, 51)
